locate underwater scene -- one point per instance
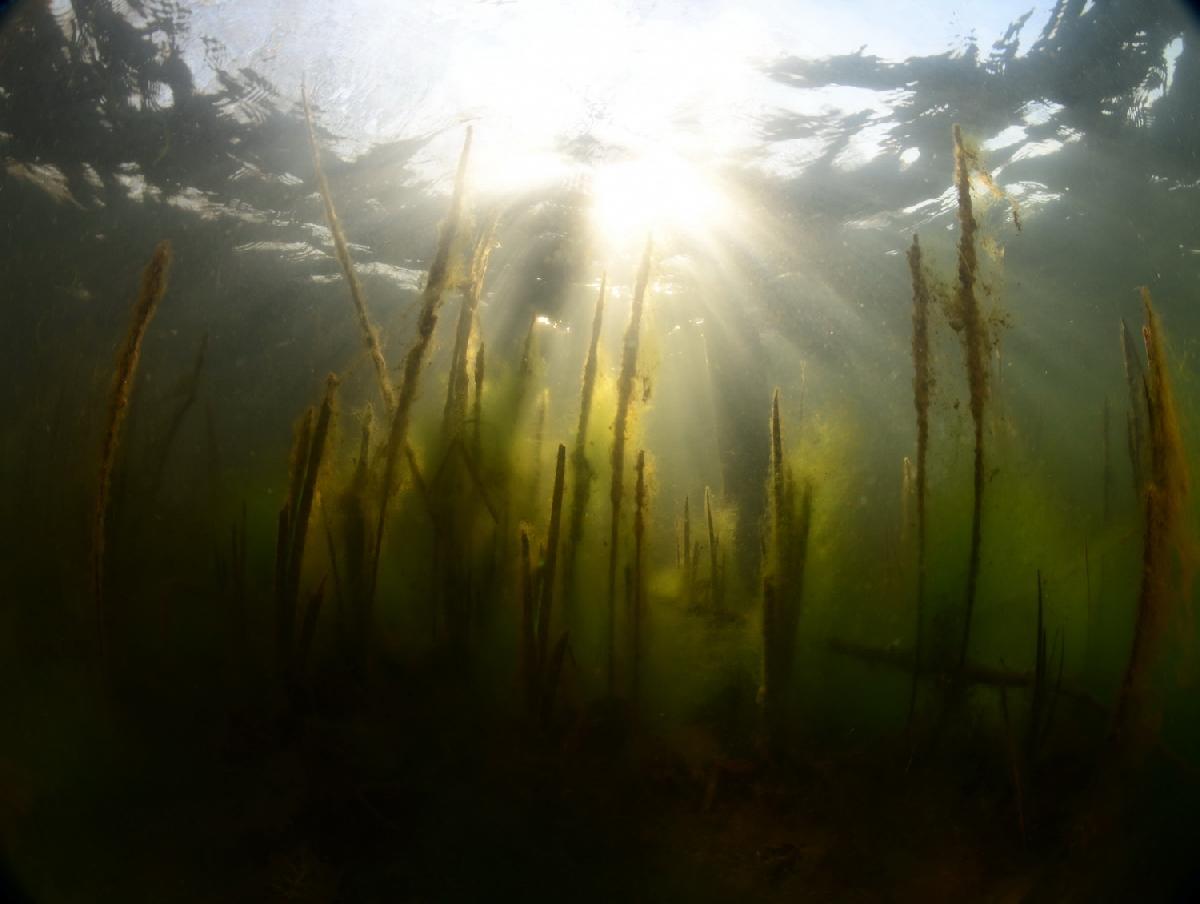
(609, 451)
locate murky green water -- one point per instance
(352, 606)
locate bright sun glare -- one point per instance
(658, 194)
(662, 101)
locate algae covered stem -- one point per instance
(342, 251)
(922, 382)
(974, 342)
(457, 386)
(153, 288)
(1166, 546)
(431, 299)
(581, 469)
(629, 354)
(295, 529)
(639, 580)
(551, 558)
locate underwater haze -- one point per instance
(518, 450)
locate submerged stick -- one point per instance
(342, 252)
(625, 381)
(581, 469)
(153, 288)
(431, 299)
(922, 382)
(974, 344)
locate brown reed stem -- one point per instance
(687, 552)
(1165, 529)
(299, 527)
(581, 470)
(922, 383)
(974, 343)
(153, 288)
(625, 381)
(550, 563)
(414, 361)
(190, 389)
(528, 644)
(1135, 423)
(714, 579)
(477, 411)
(639, 578)
(342, 252)
(455, 412)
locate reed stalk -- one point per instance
(477, 410)
(550, 562)
(298, 525)
(975, 346)
(1167, 547)
(342, 251)
(528, 640)
(687, 552)
(1135, 418)
(639, 577)
(431, 299)
(308, 628)
(625, 383)
(188, 392)
(455, 411)
(922, 384)
(1106, 484)
(153, 288)
(714, 573)
(582, 473)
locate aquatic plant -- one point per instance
(581, 470)
(974, 336)
(783, 578)
(625, 382)
(153, 288)
(922, 384)
(342, 251)
(477, 405)
(353, 584)
(638, 577)
(688, 576)
(528, 656)
(188, 390)
(1135, 417)
(1166, 540)
(293, 522)
(436, 282)
(455, 411)
(550, 563)
(716, 589)
(1043, 698)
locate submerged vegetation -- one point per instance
(445, 599)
